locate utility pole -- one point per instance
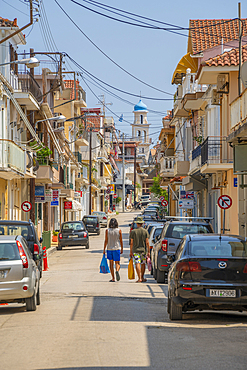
(32, 181)
(123, 164)
(134, 174)
(239, 50)
(90, 170)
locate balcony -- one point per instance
(44, 175)
(238, 116)
(82, 176)
(181, 168)
(167, 166)
(28, 92)
(216, 155)
(78, 156)
(12, 160)
(195, 160)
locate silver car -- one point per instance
(19, 274)
(103, 218)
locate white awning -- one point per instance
(76, 206)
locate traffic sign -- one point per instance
(114, 196)
(108, 190)
(164, 203)
(162, 198)
(224, 201)
(107, 197)
(26, 206)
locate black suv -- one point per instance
(172, 233)
(27, 230)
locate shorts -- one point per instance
(113, 255)
(140, 258)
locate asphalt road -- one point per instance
(86, 322)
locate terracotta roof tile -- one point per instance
(228, 58)
(4, 22)
(208, 33)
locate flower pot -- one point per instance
(54, 238)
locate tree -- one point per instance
(156, 189)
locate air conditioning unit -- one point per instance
(215, 97)
(223, 83)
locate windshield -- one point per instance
(218, 248)
(15, 230)
(9, 252)
(73, 226)
(179, 231)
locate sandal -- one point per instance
(144, 280)
(117, 275)
(138, 281)
(111, 281)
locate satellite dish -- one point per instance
(243, 74)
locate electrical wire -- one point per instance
(118, 65)
(15, 8)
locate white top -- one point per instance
(113, 239)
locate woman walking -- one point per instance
(113, 243)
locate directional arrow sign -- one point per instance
(224, 201)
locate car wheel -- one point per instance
(87, 245)
(59, 247)
(152, 271)
(31, 303)
(38, 297)
(155, 273)
(160, 276)
(98, 233)
(168, 304)
(175, 312)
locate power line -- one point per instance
(130, 74)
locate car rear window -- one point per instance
(218, 248)
(9, 252)
(73, 226)
(157, 232)
(23, 230)
(179, 231)
(90, 219)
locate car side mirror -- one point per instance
(171, 258)
(129, 224)
(41, 240)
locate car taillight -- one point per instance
(188, 267)
(164, 245)
(131, 228)
(35, 249)
(104, 218)
(22, 255)
(60, 235)
(97, 225)
(84, 234)
(245, 269)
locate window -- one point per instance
(141, 118)
(144, 136)
(180, 249)
(179, 231)
(142, 150)
(101, 169)
(219, 248)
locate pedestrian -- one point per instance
(114, 245)
(139, 248)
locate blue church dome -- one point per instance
(140, 107)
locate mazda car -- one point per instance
(208, 272)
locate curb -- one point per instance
(51, 250)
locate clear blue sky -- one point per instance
(151, 55)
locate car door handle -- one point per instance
(171, 243)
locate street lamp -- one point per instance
(60, 118)
(29, 62)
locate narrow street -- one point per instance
(86, 322)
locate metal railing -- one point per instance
(78, 156)
(28, 84)
(11, 156)
(216, 150)
(196, 152)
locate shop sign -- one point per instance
(67, 205)
(186, 194)
(48, 195)
(55, 198)
(39, 194)
(112, 188)
(186, 203)
(78, 194)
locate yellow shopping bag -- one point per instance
(131, 271)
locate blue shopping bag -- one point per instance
(104, 268)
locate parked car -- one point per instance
(172, 233)
(73, 233)
(28, 231)
(19, 274)
(209, 272)
(152, 213)
(92, 224)
(145, 199)
(103, 218)
(154, 231)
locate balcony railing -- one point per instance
(28, 84)
(216, 150)
(78, 156)
(239, 110)
(196, 152)
(11, 156)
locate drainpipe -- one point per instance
(23, 28)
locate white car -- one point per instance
(103, 218)
(145, 199)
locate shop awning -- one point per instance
(184, 63)
(113, 163)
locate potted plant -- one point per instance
(54, 236)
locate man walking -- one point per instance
(139, 248)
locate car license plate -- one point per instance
(222, 293)
(2, 274)
(73, 236)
